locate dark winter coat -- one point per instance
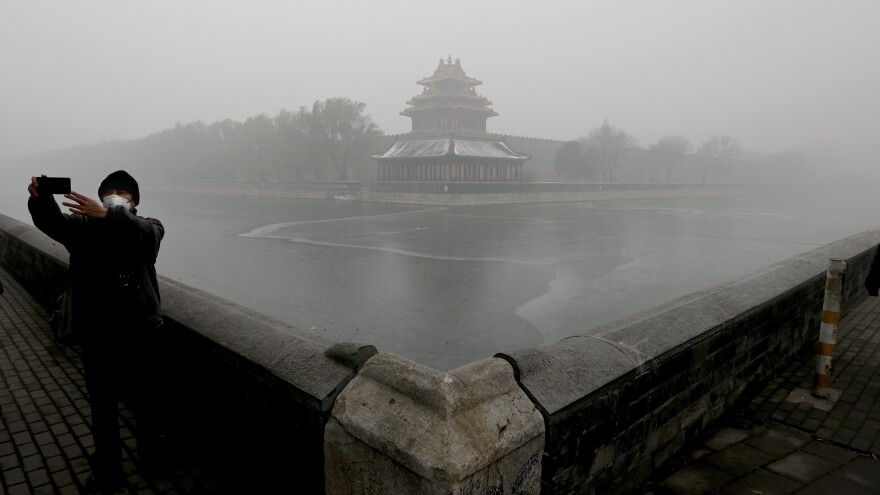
(872, 281)
(112, 265)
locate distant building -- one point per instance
(449, 141)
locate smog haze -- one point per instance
(782, 75)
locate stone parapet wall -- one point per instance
(37, 261)
(620, 403)
(255, 396)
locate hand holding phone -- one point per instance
(53, 185)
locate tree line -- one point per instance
(329, 141)
(333, 139)
(609, 154)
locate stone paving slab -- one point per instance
(739, 459)
(45, 435)
(803, 466)
(761, 481)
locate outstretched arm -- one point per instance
(47, 216)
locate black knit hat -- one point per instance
(122, 181)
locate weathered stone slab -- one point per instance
(400, 427)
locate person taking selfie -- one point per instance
(115, 308)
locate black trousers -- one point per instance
(122, 364)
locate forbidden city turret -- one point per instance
(449, 101)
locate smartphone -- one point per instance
(53, 185)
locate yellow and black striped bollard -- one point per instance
(828, 328)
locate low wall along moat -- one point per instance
(463, 193)
(588, 414)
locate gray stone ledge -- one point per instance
(561, 374)
(316, 366)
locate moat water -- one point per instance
(446, 286)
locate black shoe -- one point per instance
(106, 484)
(156, 468)
(156, 455)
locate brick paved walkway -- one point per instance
(854, 421)
(785, 441)
(44, 412)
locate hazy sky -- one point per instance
(776, 74)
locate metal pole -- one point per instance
(828, 327)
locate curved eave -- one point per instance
(492, 150)
(465, 79)
(423, 99)
(415, 110)
(450, 149)
(447, 157)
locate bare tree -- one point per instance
(570, 162)
(786, 167)
(299, 157)
(719, 154)
(340, 128)
(257, 142)
(668, 153)
(603, 148)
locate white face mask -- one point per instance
(114, 200)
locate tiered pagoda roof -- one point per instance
(449, 101)
(449, 142)
(451, 147)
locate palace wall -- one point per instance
(540, 168)
(464, 193)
